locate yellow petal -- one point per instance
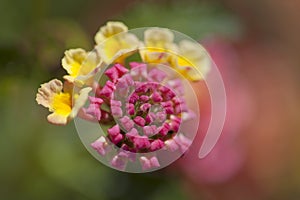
(52, 96)
(79, 101)
(113, 41)
(110, 29)
(63, 110)
(61, 104)
(46, 92)
(158, 37)
(91, 61)
(159, 46)
(195, 60)
(117, 45)
(73, 60)
(155, 57)
(57, 119)
(78, 63)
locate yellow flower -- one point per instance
(159, 46)
(59, 100)
(113, 41)
(79, 63)
(193, 61)
(159, 37)
(109, 30)
(188, 58)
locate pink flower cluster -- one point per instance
(147, 110)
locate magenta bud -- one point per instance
(141, 142)
(127, 123)
(156, 97)
(145, 107)
(156, 145)
(114, 131)
(139, 121)
(144, 98)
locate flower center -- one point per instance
(146, 112)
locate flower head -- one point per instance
(142, 106)
(147, 113)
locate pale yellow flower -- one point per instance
(113, 41)
(187, 58)
(159, 38)
(193, 61)
(110, 29)
(60, 101)
(158, 46)
(79, 63)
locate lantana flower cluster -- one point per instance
(142, 106)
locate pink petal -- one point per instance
(154, 162)
(145, 162)
(130, 108)
(156, 145)
(121, 69)
(114, 131)
(117, 138)
(112, 74)
(139, 121)
(118, 162)
(164, 129)
(175, 123)
(139, 71)
(183, 142)
(100, 145)
(145, 107)
(157, 75)
(115, 107)
(133, 98)
(171, 145)
(132, 134)
(149, 118)
(141, 142)
(144, 98)
(161, 116)
(169, 95)
(150, 130)
(116, 111)
(108, 89)
(135, 64)
(156, 97)
(177, 85)
(94, 111)
(116, 72)
(127, 123)
(115, 103)
(95, 100)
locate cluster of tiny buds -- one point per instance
(147, 114)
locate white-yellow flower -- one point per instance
(60, 101)
(158, 46)
(79, 63)
(113, 41)
(188, 58)
(193, 60)
(110, 29)
(159, 38)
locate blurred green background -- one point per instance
(42, 161)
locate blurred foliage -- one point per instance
(194, 18)
(42, 161)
